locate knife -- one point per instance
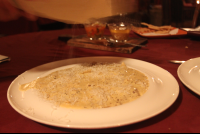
(4, 58)
(176, 61)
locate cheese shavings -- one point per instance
(91, 85)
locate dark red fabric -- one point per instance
(33, 49)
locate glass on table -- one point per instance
(95, 30)
(120, 31)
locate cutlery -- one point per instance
(113, 42)
(176, 61)
(107, 41)
(4, 58)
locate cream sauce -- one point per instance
(93, 86)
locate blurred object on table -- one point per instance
(52, 15)
(23, 25)
(76, 11)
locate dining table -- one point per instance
(30, 50)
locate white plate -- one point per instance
(189, 74)
(162, 93)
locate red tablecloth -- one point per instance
(34, 49)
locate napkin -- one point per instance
(75, 11)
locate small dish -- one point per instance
(95, 30)
(120, 31)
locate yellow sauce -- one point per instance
(120, 34)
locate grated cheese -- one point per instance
(91, 85)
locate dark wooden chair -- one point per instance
(196, 16)
(179, 13)
(172, 12)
